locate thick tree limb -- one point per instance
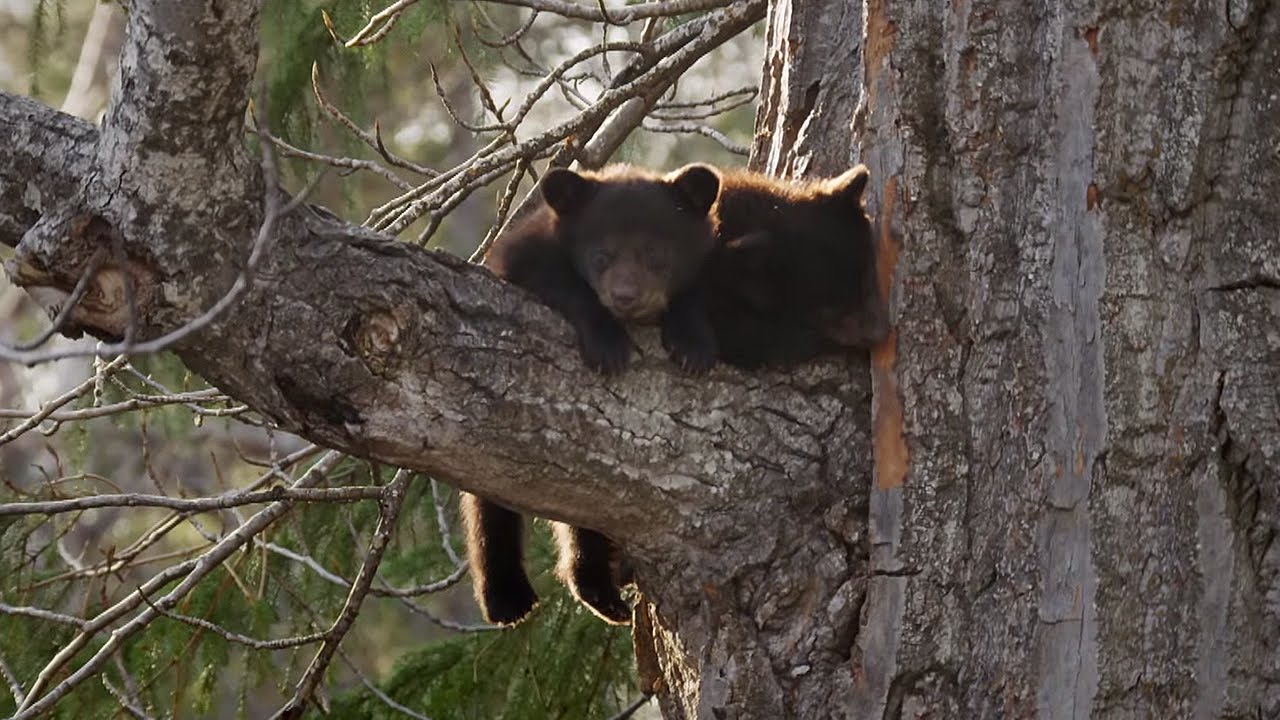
(47, 155)
(361, 342)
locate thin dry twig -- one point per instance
(52, 406)
(394, 216)
(373, 140)
(377, 691)
(391, 503)
(442, 523)
(133, 403)
(347, 494)
(340, 162)
(41, 614)
(191, 572)
(379, 24)
(77, 293)
(229, 636)
(15, 687)
(617, 16)
(128, 705)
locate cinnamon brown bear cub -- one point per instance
(794, 272)
(604, 249)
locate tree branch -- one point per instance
(351, 338)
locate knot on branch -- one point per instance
(374, 335)
(93, 275)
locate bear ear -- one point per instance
(697, 186)
(849, 185)
(565, 190)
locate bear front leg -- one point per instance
(586, 567)
(687, 333)
(495, 550)
(602, 340)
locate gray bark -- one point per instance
(1088, 351)
(1061, 499)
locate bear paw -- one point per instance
(606, 348)
(692, 348)
(508, 605)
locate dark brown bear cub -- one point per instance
(622, 246)
(794, 272)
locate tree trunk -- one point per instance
(757, 618)
(1087, 298)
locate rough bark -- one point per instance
(1087, 355)
(770, 634)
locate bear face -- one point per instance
(637, 239)
(619, 246)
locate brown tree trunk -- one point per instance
(1077, 426)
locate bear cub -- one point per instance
(794, 272)
(616, 247)
(604, 249)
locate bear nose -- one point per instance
(626, 298)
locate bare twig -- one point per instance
(395, 216)
(41, 614)
(382, 589)
(15, 687)
(128, 705)
(130, 700)
(192, 571)
(380, 24)
(631, 709)
(391, 503)
(417, 609)
(279, 644)
(328, 495)
(77, 293)
(341, 162)
(426, 588)
(617, 16)
(377, 692)
(52, 406)
(133, 403)
(505, 40)
(698, 129)
(500, 217)
(373, 140)
(442, 523)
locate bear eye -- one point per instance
(599, 260)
